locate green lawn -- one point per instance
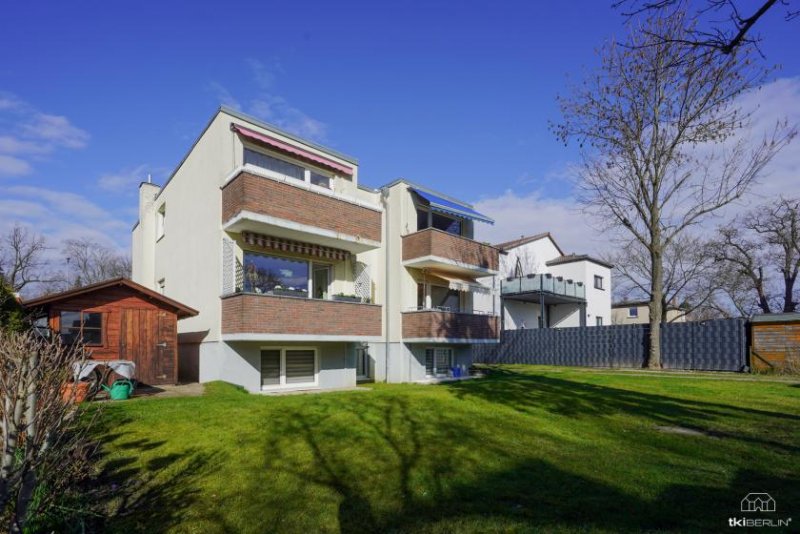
(529, 448)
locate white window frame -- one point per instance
(451, 361)
(283, 384)
(633, 312)
(306, 169)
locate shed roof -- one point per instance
(181, 310)
(776, 318)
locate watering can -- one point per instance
(120, 389)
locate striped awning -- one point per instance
(296, 247)
(277, 144)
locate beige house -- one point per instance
(639, 313)
(303, 277)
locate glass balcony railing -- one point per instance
(547, 283)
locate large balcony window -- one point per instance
(278, 275)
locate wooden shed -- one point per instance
(120, 320)
(775, 340)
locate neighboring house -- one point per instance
(638, 312)
(303, 277)
(542, 287)
(120, 320)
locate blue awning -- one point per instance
(449, 207)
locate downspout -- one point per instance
(386, 249)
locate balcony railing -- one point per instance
(435, 248)
(251, 314)
(546, 283)
(297, 211)
(440, 325)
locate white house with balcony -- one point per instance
(303, 277)
(539, 286)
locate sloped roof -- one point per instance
(524, 240)
(182, 310)
(569, 258)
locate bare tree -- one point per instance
(755, 247)
(690, 275)
(717, 25)
(43, 434)
(660, 122)
(22, 261)
(89, 262)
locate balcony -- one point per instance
(252, 317)
(448, 252)
(431, 325)
(543, 288)
(298, 211)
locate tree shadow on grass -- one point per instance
(388, 468)
(133, 496)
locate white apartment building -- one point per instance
(540, 286)
(304, 278)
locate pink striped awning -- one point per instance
(296, 151)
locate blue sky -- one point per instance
(94, 95)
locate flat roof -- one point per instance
(791, 317)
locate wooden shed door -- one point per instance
(147, 338)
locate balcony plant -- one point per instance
(343, 297)
(290, 292)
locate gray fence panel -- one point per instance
(710, 345)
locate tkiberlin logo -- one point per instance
(758, 502)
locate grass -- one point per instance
(526, 449)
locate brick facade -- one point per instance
(434, 242)
(441, 324)
(248, 192)
(269, 314)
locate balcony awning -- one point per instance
(449, 207)
(457, 282)
(296, 151)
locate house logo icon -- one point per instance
(758, 502)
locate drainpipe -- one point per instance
(386, 249)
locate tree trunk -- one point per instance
(789, 305)
(656, 299)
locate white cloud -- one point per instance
(271, 107)
(55, 129)
(532, 213)
(61, 215)
(124, 181)
(26, 133)
(11, 166)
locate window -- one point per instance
(426, 219)
(598, 282)
(633, 312)
(598, 321)
(320, 179)
(421, 296)
(446, 298)
(81, 326)
(161, 218)
(274, 274)
(284, 168)
(438, 361)
(288, 367)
